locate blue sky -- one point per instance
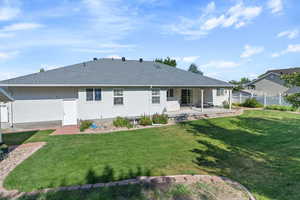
(227, 39)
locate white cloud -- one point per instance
(211, 7)
(114, 56)
(87, 50)
(7, 55)
(9, 10)
(21, 27)
(276, 6)
(6, 35)
(220, 64)
(190, 59)
(7, 75)
(291, 34)
(236, 16)
(251, 50)
(292, 48)
(111, 18)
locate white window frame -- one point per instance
(155, 93)
(221, 92)
(94, 94)
(118, 96)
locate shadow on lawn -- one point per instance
(17, 138)
(128, 192)
(248, 154)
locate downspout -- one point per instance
(150, 99)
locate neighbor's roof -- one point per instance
(271, 76)
(4, 96)
(112, 72)
(285, 71)
(293, 90)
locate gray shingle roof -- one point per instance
(293, 90)
(108, 72)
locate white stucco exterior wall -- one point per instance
(39, 104)
(137, 101)
(218, 100)
(44, 104)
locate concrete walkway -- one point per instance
(14, 158)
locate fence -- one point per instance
(263, 99)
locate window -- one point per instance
(155, 96)
(118, 97)
(220, 92)
(170, 92)
(93, 94)
(90, 94)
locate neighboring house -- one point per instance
(293, 90)
(107, 88)
(271, 83)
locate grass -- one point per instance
(259, 149)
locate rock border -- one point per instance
(16, 157)
(179, 179)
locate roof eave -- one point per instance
(108, 85)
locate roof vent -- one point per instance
(123, 59)
(141, 60)
(95, 59)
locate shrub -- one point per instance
(145, 121)
(225, 104)
(252, 103)
(3, 151)
(85, 125)
(281, 108)
(122, 122)
(236, 104)
(160, 119)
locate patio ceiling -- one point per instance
(4, 96)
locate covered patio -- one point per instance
(197, 99)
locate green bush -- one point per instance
(85, 125)
(281, 108)
(3, 150)
(145, 121)
(122, 122)
(225, 104)
(160, 119)
(252, 103)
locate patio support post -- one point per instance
(202, 103)
(280, 99)
(230, 99)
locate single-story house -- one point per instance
(107, 88)
(271, 83)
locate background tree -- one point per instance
(239, 85)
(194, 68)
(292, 80)
(167, 61)
(42, 70)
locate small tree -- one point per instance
(42, 70)
(293, 80)
(167, 61)
(194, 68)
(239, 85)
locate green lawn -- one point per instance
(260, 149)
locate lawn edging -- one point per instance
(16, 157)
(145, 180)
